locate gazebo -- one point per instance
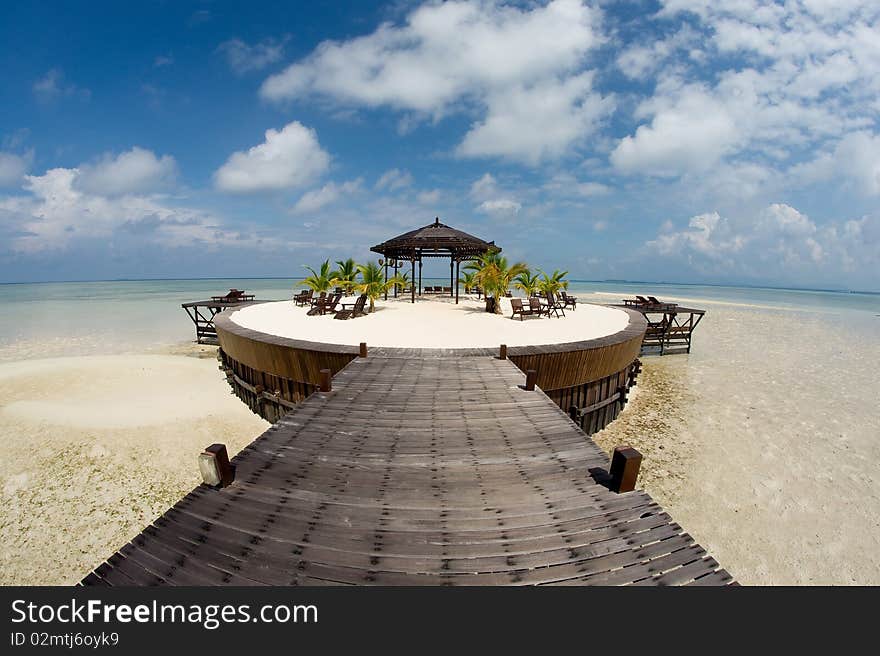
(434, 240)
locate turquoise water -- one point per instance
(52, 319)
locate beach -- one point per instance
(762, 443)
(96, 447)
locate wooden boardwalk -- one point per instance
(416, 471)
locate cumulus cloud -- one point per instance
(688, 133)
(54, 212)
(13, 167)
(531, 123)
(778, 243)
(500, 207)
(394, 179)
(244, 58)
(524, 67)
(135, 171)
(315, 199)
(788, 80)
(485, 187)
(287, 159)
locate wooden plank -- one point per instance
(416, 471)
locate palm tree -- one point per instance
(319, 281)
(469, 280)
(494, 275)
(373, 282)
(345, 274)
(554, 282)
(528, 282)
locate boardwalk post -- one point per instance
(625, 463)
(363, 351)
(503, 353)
(531, 379)
(214, 466)
(326, 377)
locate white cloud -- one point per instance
(163, 60)
(315, 199)
(690, 133)
(394, 179)
(243, 58)
(53, 86)
(778, 244)
(523, 67)
(431, 197)
(531, 123)
(787, 79)
(13, 167)
(500, 207)
(485, 187)
(287, 158)
(54, 212)
(135, 171)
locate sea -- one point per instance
(123, 316)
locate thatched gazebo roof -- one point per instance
(434, 240)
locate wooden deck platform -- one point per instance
(202, 314)
(670, 327)
(416, 471)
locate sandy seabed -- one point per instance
(764, 444)
(96, 447)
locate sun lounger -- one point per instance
(305, 296)
(356, 311)
(554, 305)
(234, 296)
(569, 300)
(325, 305)
(518, 309)
(537, 307)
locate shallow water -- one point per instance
(764, 442)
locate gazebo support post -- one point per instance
(457, 269)
(451, 276)
(420, 277)
(386, 279)
(412, 279)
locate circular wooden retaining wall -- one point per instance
(588, 379)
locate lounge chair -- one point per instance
(569, 300)
(554, 305)
(328, 304)
(234, 296)
(305, 296)
(518, 309)
(537, 307)
(356, 311)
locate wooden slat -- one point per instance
(416, 471)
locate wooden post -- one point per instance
(451, 276)
(420, 278)
(531, 379)
(503, 352)
(625, 463)
(363, 352)
(457, 272)
(214, 466)
(412, 280)
(326, 378)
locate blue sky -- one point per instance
(720, 142)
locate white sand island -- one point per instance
(433, 322)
